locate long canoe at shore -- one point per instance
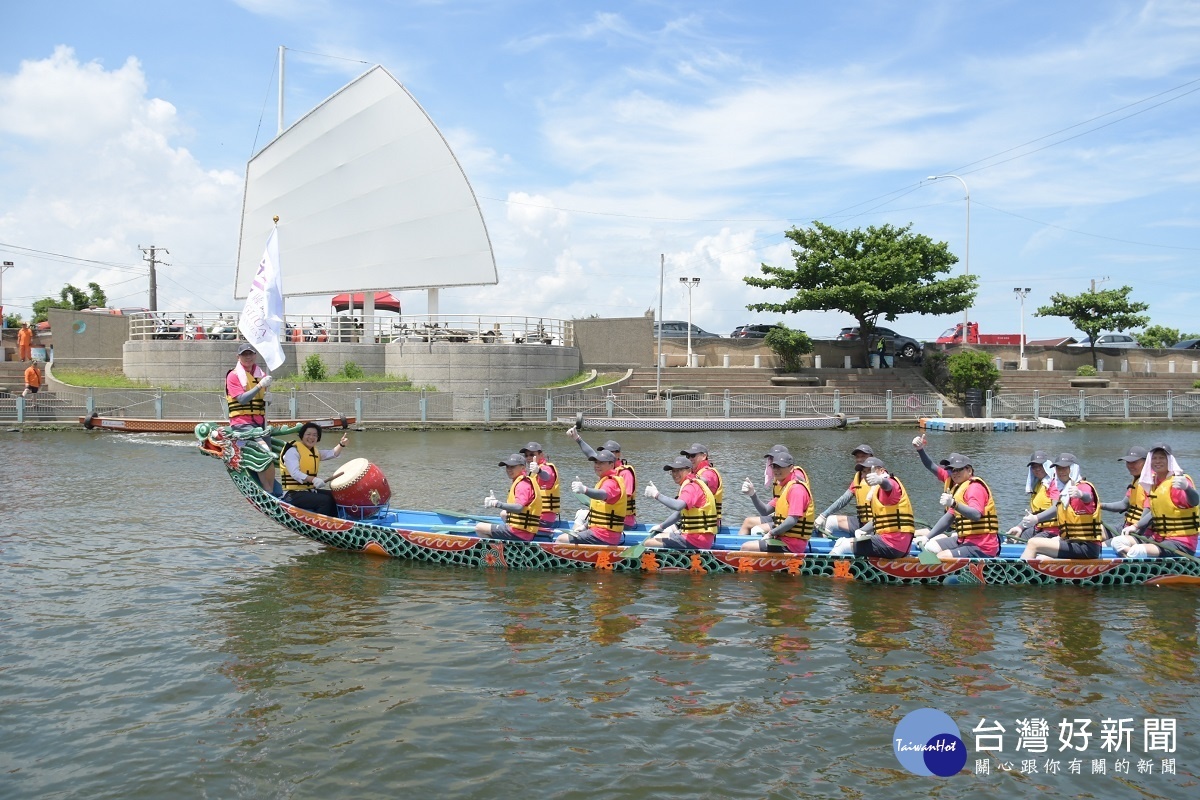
(143, 425)
(440, 537)
(710, 423)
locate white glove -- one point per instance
(490, 501)
(581, 517)
(819, 522)
(578, 487)
(1179, 482)
(1029, 520)
(654, 529)
(534, 467)
(946, 500)
(1074, 493)
(319, 483)
(1129, 530)
(919, 442)
(747, 487)
(265, 383)
(875, 478)
(861, 535)
(1015, 530)
(572, 433)
(652, 491)
(759, 530)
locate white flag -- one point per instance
(262, 318)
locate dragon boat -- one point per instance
(443, 537)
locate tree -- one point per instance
(1158, 336)
(71, 298)
(12, 320)
(879, 272)
(1095, 312)
(971, 369)
(789, 345)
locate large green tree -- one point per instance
(872, 273)
(71, 298)
(1097, 312)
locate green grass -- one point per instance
(113, 379)
(600, 380)
(99, 378)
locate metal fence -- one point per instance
(548, 405)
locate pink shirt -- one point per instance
(630, 481)
(893, 539)
(612, 493)
(548, 516)
(693, 497)
(234, 387)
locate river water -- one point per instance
(159, 638)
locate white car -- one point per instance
(1109, 340)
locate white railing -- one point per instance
(384, 328)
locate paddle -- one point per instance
(452, 528)
(636, 550)
(1166, 552)
(928, 557)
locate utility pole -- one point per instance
(5, 267)
(148, 254)
(1102, 280)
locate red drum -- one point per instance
(360, 490)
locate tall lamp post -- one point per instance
(7, 265)
(690, 283)
(966, 248)
(1021, 295)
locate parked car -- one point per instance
(1187, 344)
(751, 331)
(1108, 340)
(676, 329)
(906, 346)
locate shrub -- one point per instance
(1086, 371)
(935, 371)
(971, 369)
(352, 371)
(1196, 384)
(314, 369)
(789, 345)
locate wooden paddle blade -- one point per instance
(452, 528)
(927, 557)
(634, 551)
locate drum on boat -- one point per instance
(360, 490)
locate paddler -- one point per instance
(1172, 507)
(843, 524)
(1043, 493)
(624, 471)
(768, 482)
(1134, 502)
(970, 528)
(692, 525)
(1076, 517)
(889, 531)
(604, 522)
(705, 471)
(792, 513)
(521, 511)
(546, 475)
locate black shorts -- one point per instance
(875, 548)
(1173, 548)
(32, 389)
(1072, 549)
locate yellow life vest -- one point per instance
(610, 516)
(1039, 501)
(987, 523)
(257, 407)
(1137, 504)
(529, 518)
(718, 493)
(1170, 521)
(551, 495)
(1081, 527)
(860, 488)
(630, 485)
(310, 465)
(893, 519)
(782, 512)
(703, 519)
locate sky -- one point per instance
(600, 137)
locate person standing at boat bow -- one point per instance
(889, 531)
(843, 524)
(605, 520)
(692, 525)
(300, 462)
(546, 475)
(624, 471)
(245, 396)
(793, 512)
(1078, 532)
(521, 512)
(970, 510)
(1172, 506)
(705, 471)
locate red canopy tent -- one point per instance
(384, 301)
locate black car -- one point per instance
(751, 331)
(906, 346)
(1187, 344)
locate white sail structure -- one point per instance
(369, 198)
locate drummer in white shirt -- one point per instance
(299, 464)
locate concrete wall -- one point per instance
(471, 367)
(202, 364)
(611, 344)
(1070, 358)
(87, 340)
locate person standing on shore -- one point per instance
(25, 343)
(33, 380)
(245, 396)
(624, 471)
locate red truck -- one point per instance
(954, 336)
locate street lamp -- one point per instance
(1021, 295)
(690, 283)
(7, 265)
(966, 248)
